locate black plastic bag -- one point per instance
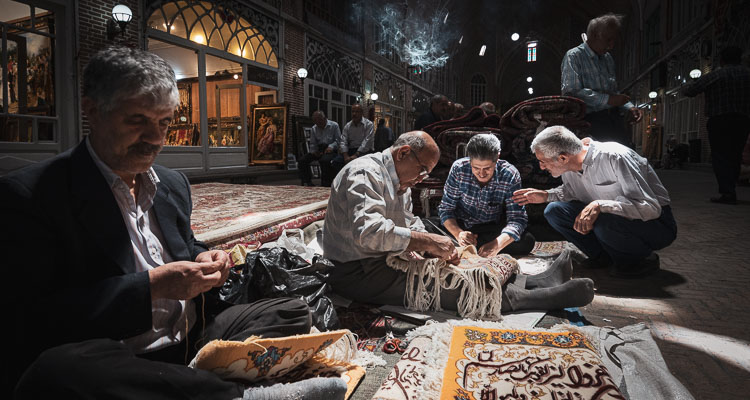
(270, 273)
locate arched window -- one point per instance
(478, 89)
(207, 24)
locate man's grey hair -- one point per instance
(415, 141)
(484, 146)
(603, 23)
(319, 112)
(556, 140)
(117, 74)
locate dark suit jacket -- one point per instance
(68, 265)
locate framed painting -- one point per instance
(268, 134)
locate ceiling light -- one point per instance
(695, 74)
(481, 51)
(529, 79)
(652, 95)
(236, 76)
(514, 36)
(531, 90)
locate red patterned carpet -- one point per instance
(227, 214)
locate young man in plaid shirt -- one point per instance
(477, 207)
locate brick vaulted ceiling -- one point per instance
(556, 25)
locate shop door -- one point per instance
(228, 131)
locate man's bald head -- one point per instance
(415, 154)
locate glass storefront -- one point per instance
(27, 96)
(225, 67)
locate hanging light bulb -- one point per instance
(695, 74)
(514, 36)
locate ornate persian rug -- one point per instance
(228, 214)
(475, 360)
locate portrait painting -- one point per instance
(268, 135)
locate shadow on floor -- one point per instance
(652, 286)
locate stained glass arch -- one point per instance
(208, 24)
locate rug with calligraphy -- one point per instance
(476, 360)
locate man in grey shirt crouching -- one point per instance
(611, 204)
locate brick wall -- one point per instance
(294, 59)
(92, 32)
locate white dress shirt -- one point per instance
(620, 180)
(366, 215)
(167, 316)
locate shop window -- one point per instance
(185, 127)
(215, 26)
(27, 89)
(223, 86)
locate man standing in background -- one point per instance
(588, 73)
(727, 94)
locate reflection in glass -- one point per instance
(223, 99)
(29, 72)
(185, 127)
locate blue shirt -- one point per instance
(589, 77)
(465, 200)
(330, 135)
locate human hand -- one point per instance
(216, 256)
(489, 249)
(617, 100)
(182, 280)
(635, 114)
(443, 247)
(584, 222)
(466, 238)
(529, 196)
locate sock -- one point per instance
(573, 293)
(308, 389)
(558, 273)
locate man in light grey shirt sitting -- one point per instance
(324, 143)
(611, 204)
(357, 138)
(369, 215)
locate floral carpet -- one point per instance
(227, 214)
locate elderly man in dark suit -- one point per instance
(111, 293)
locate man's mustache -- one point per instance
(145, 148)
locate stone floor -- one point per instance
(696, 305)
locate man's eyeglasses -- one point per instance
(424, 173)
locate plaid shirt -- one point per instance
(727, 90)
(465, 200)
(589, 77)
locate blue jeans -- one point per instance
(626, 241)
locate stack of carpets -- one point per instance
(524, 120)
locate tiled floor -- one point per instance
(697, 305)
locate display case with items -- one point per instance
(225, 132)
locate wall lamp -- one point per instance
(121, 15)
(372, 99)
(301, 74)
